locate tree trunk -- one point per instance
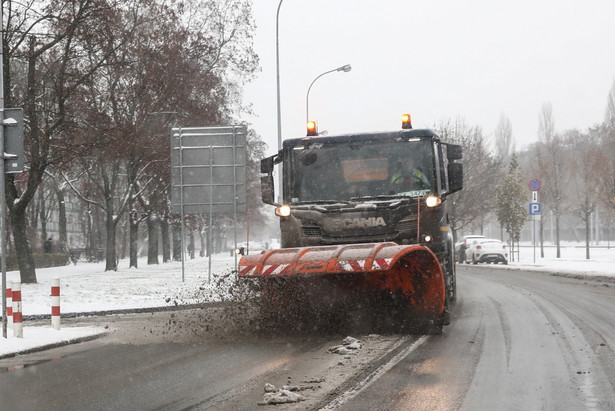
(42, 215)
(63, 240)
(22, 246)
(541, 233)
(166, 243)
(588, 216)
(125, 248)
(111, 263)
(203, 243)
(134, 237)
(90, 237)
(191, 245)
(32, 216)
(152, 238)
(210, 240)
(559, 255)
(177, 241)
(17, 212)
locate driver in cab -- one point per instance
(408, 177)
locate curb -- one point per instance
(587, 276)
(96, 314)
(144, 310)
(54, 345)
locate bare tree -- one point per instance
(546, 124)
(504, 140)
(471, 205)
(609, 116)
(209, 48)
(552, 168)
(607, 174)
(54, 72)
(585, 158)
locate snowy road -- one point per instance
(162, 361)
(518, 340)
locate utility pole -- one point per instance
(2, 182)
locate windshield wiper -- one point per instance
(380, 197)
(322, 202)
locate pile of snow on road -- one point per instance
(349, 346)
(284, 395)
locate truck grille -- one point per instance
(407, 224)
(311, 230)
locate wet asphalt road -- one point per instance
(517, 341)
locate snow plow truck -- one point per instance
(364, 222)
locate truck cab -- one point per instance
(367, 188)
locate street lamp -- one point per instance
(346, 68)
(277, 71)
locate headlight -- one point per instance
(282, 211)
(432, 201)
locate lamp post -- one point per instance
(345, 68)
(277, 70)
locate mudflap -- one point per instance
(375, 287)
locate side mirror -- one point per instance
(267, 165)
(455, 177)
(267, 190)
(454, 152)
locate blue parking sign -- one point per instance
(535, 208)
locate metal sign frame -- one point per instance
(208, 169)
(208, 174)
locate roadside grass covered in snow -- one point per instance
(87, 287)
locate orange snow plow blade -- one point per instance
(406, 278)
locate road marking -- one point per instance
(377, 373)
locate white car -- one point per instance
(487, 250)
(462, 245)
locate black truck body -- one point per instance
(345, 189)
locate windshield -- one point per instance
(343, 171)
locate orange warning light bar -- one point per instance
(311, 128)
(406, 121)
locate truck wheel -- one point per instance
(433, 329)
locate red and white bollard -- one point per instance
(17, 316)
(55, 303)
(9, 307)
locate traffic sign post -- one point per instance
(535, 208)
(11, 143)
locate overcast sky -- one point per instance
(434, 59)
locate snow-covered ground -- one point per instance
(86, 287)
